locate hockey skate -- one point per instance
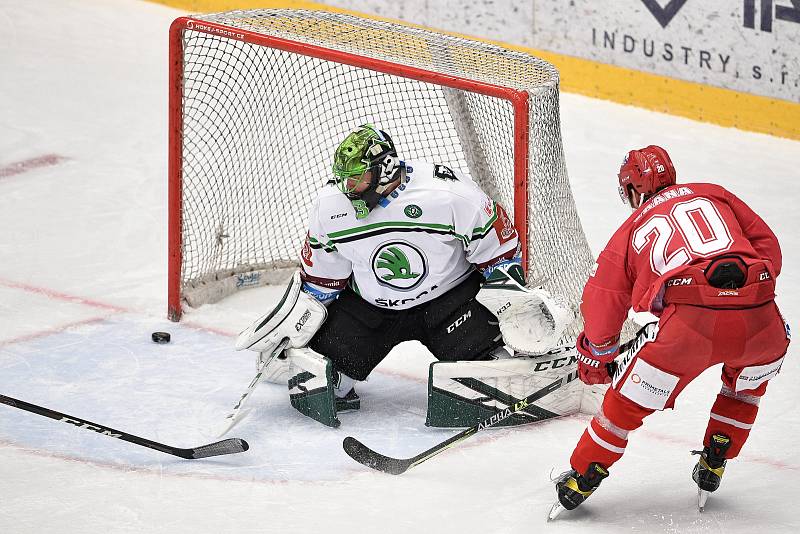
(573, 488)
(708, 471)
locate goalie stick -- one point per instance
(396, 466)
(228, 446)
(234, 416)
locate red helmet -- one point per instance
(644, 172)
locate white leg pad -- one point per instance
(461, 394)
(276, 371)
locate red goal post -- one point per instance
(259, 99)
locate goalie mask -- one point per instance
(365, 166)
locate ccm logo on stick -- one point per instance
(98, 429)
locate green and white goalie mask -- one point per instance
(365, 166)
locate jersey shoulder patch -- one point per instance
(443, 172)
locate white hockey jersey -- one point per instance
(421, 241)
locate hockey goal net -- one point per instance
(260, 99)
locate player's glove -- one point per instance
(595, 361)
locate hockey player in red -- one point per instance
(702, 261)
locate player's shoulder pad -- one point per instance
(327, 192)
(331, 204)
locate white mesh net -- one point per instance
(260, 124)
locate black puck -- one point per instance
(160, 337)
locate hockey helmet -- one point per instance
(643, 172)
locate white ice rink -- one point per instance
(83, 137)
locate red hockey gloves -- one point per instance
(594, 360)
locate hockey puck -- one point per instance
(160, 337)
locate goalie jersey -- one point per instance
(422, 240)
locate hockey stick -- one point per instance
(232, 418)
(228, 446)
(396, 466)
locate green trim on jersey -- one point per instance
(316, 243)
(369, 230)
(481, 231)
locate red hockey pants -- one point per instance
(751, 343)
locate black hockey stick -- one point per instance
(228, 446)
(396, 466)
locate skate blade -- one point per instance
(555, 511)
(702, 497)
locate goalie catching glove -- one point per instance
(530, 319)
(293, 322)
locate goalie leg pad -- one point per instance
(314, 385)
(277, 370)
(464, 393)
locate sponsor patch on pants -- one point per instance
(647, 386)
(645, 335)
(755, 375)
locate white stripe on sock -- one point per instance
(603, 421)
(729, 421)
(603, 443)
(740, 396)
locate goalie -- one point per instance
(397, 251)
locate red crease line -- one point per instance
(49, 331)
(61, 296)
(19, 167)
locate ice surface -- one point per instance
(83, 283)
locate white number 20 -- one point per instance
(686, 218)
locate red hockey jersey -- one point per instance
(667, 242)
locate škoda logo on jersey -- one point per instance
(399, 265)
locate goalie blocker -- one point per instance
(293, 322)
